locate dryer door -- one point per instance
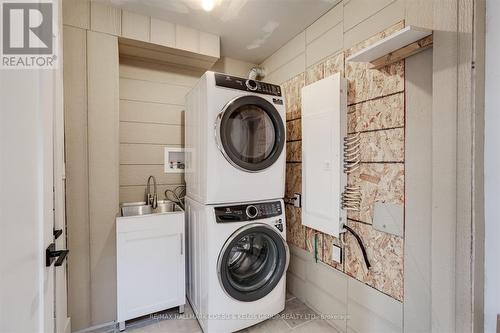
(252, 262)
(250, 133)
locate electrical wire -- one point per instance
(316, 247)
(360, 242)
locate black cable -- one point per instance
(360, 242)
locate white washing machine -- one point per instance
(235, 140)
(237, 262)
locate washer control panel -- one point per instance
(248, 212)
(233, 82)
(279, 224)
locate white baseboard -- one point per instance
(67, 327)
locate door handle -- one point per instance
(57, 233)
(51, 255)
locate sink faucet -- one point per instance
(151, 199)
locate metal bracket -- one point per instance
(51, 254)
(296, 200)
(57, 233)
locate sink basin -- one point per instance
(166, 206)
(135, 208)
(141, 208)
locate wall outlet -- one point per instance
(336, 253)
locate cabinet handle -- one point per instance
(182, 250)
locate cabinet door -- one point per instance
(324, 128)
(150, 270)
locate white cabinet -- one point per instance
(150, 264)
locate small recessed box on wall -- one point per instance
(324, 127)
(175, 161)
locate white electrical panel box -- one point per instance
(324, 127)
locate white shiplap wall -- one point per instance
(345, 25)
(348, 304)
(151, 118)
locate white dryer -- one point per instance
(237, 263)
(235, 140)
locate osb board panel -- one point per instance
(315, 73)
(385, 253)
(365, 83)
(294, 151)
(294, 130)
(311, 234)
(293, 179)
(328, 242)
(295, 231)
(382, 146)
(291, 89)
(378, 182)
(334, 64)
(380, 113)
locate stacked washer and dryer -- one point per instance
(235, 178)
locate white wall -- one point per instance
(345, 25)
(346, 303)
(232, 67)
(29, 101)
(492, 167)
(25, 200)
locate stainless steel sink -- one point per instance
(141, 208)
(166, 206)
(135, 208)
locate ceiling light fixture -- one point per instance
(207, 5)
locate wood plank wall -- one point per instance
(151, 118)
(77, 191)
(102, 62)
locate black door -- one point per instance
(252, 262)
(250, 133)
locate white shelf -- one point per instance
(397, 40)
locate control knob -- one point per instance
(251, 85)
(252, 211)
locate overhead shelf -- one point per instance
(399, 45)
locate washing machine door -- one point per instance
(250, 133)
(252, 262)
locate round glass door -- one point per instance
(252, 262)
(251, 134)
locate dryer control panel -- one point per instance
(233, 82)
(248, 212)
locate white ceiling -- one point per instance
(250, 30)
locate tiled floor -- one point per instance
(296, 318)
